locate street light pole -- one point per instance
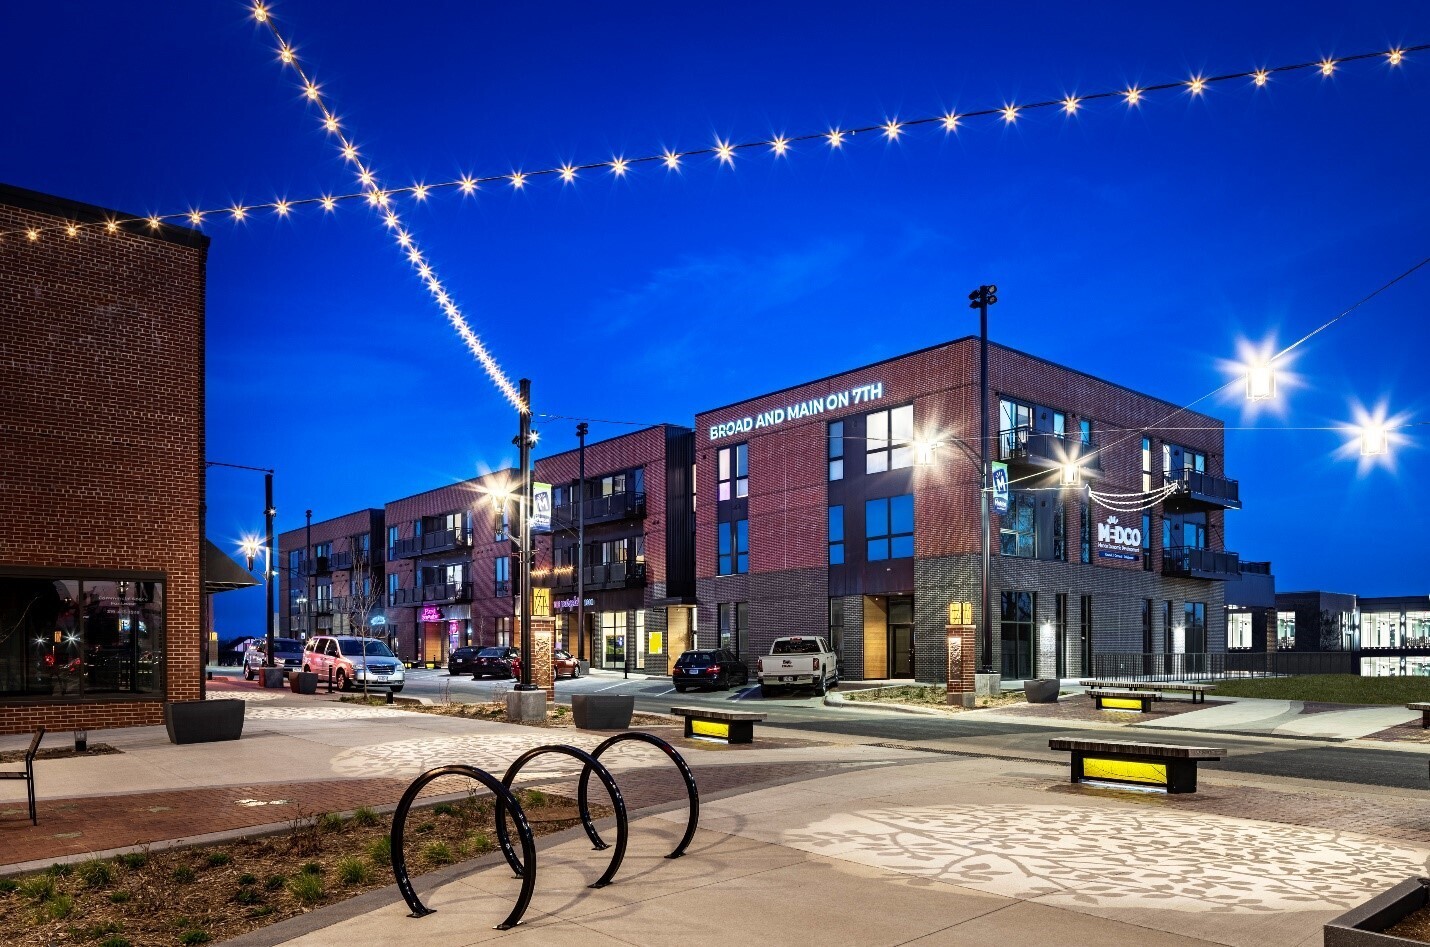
(523, 525)
(310, 620)
(981, 298)
(268, 514)
(580, 501)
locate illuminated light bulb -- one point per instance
(72, 230)
(1260, 76)
(1197, 85)
(112, 226)
(311, 91)
(260, 13)
(1260, 382)
(330, 122)
(780, 145)
(32, 234)
(1133, 96)
(425, 270)
(924, 452)
(238, 212)
(1070, 104)
(1069, 474)
(618, 167)
(365, 177)
(568, 173)
(372, 198)
(286, 54)
(391, 219)
(281, 208)
(518, 180)
(1395, 56)
(196, 217)
(1328, 66)
(725, 152)
(671, 159)
(892, 129)
(468, 184)
(1373, 440)
(419, 192)
(350, 151)
(836, 138)
(1010, 114)
(382, 197)
(153, 223)
(404, 238)
(414, 255)
(328, 203)
(950, 122)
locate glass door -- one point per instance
(901, 636)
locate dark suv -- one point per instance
(462, 661)
(716, 668)
(501, 661)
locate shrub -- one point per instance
(330, 822)
(38, 888)
(58, 870)
(480, 842)
(194, 936)
(133, 860)
(59, 906)
(380, 850)
(183, 875)
(533, 799)
(352, 871)
(311, 868)
(444, 808)
(424, 827)
(262, 910)
(116, 942)
(7, 885)
(247, 896)
(118, 897)
(215, 859)
(366, 816)
(438, 852)
(275, 882)
(95, 873)
(96, 931)
(247, 879)
(307, 888)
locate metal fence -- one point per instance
(1134, 666)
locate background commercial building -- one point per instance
(1370, 635)
(102, 409)
(329, 579)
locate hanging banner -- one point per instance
(1000, 488)
(540, 507)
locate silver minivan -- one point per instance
(353, 661)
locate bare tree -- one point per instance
(365, 599)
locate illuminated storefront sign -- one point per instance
(570, 604)
(431, 613)
(798, 411)
(1115, 541)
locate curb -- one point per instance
(839, 700)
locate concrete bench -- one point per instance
(1156, 765)
(1109, 698)
(28, 773)
(1424, 709)
(1198, 691)
(727, 726)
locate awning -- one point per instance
(221, 573)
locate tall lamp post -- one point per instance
(268, 574)
(580, 501)
(980, 299)
(523, 526)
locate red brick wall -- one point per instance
(102, 420)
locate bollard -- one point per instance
(330, 680)
(390, 698)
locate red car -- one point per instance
(500, 661)
(563, 663)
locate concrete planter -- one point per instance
(602, 711)
(303, 682)
(1041, 691)
(203, 721)
(272, 677)
(1361, 926)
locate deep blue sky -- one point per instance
(1139, 245)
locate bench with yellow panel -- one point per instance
(1148, 765)
(721, 726)
(1107, 698)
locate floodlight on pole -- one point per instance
(1260, 382)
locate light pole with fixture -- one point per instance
(268, 574)
(980, 299)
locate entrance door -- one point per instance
(901, 636)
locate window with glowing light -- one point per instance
(503, 576)
(733, 475)
(1146, 465)
(889, 439)
(836, 450)
(1238, 630)
(72, 638)
(1195, 623)
(1017, 529)
(1285, 631)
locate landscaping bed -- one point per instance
(933, 695)
(211, 893)
(557, 715)
(1331, 689)
(59, 753)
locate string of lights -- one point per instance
(723, 150)
(381, 202)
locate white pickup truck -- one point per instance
(797, 662)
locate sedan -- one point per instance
(563, 663)
(462, 661)
(501, 661)
(716, 668)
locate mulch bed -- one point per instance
(59, 753)
(215, 892)
(1081, 707)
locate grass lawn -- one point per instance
(1331, 689)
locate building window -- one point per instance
(1195, 627)
(392, 588)
(1060, 424)
(734, 548)
(1146, 542)
(1146, 465)
(1015, 422)
(889, 439)
(81, 638)
(1238, 630)
(889, 526)
(392, 538)
(1084, 428)
(1147, 626)
(1085, 533)
(322, 550)
(503, 576)
(734, 624)
(1167, 642)
(501, 525)
(1017, 533)
(836, 535)
(1060, 628)
(1285, 631)
(836, 450)
(734, 473)
(836, 626)
(1060, 551)
(1017, 633)
(1380, 630)
(1085, 634)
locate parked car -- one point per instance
(462, 661)
(499, 661)
(798, 662)
(716, 668)
(562, 662)
(287, 654)
(354, 662)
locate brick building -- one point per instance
(329, 580)
(102, 474)
(849, 506)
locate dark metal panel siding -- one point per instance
(679, 512)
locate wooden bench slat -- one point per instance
(705, 714)
(1171, 751)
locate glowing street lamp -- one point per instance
(1374, 441)
(924, 452)
(1260, 382)
(1071, 474)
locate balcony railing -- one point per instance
(1193, 563)
(433, 594)
(613, 575)
(1198, 490)
(1023, 445)
(617, 506)
(340, 560)
(318, 565)
(1132, 666)
(444, 540)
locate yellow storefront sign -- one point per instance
(710, 728)
(657, 642)
(541, 601)
(1125, 771)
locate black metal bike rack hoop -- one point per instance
(690, 788)
(504, 800)
(590, 763)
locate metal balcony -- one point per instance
(608, 509)
(1192, 563)
(1198, 491)
(340, 560)
(318, 565)
(612, 575)
(428, 544)
(1026, 447)
(440, 594)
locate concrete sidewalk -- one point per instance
(950, 851)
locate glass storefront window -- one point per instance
(1380, 630)
(1285, 631)
(1417, 629)
(1238, 630)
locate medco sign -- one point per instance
(1115, 541)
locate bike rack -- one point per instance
(504, 799)
(590, 764)
(691, 791)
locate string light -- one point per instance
(419, 192)
(618, 167)
(568, 173)
(71, 230)
(329, 204)
(196, 217)
(281, 209)
(33, 234)
(518, 180)
(779, 145)
(153, 223)
(238, 212)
